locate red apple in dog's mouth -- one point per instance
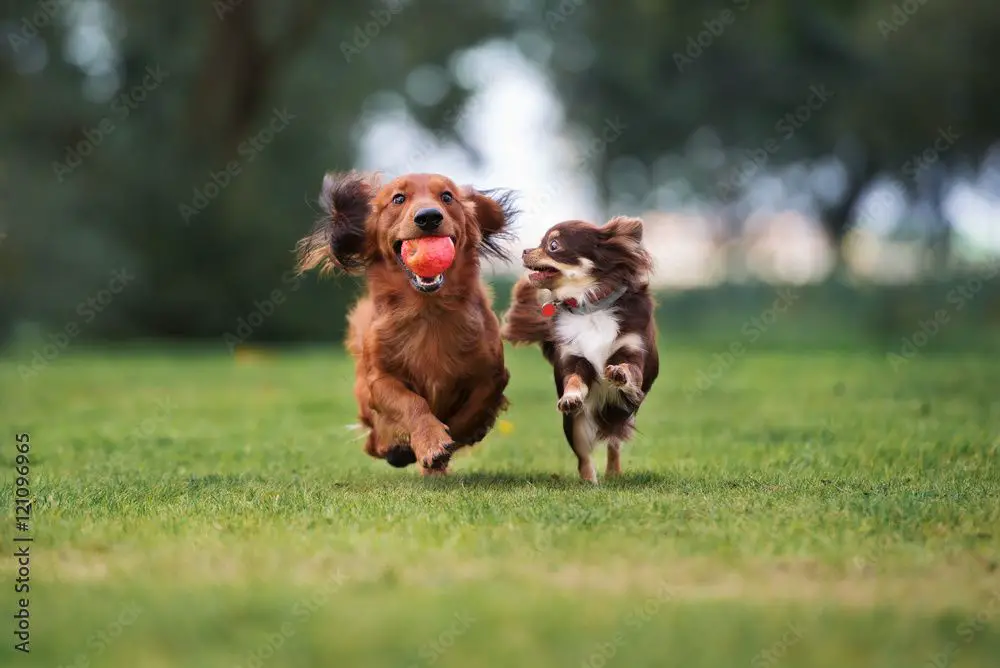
(428, 257)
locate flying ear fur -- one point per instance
(625, 233)
(494, 212)
(625, 226)
(339, 239)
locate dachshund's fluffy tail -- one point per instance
(524, 322)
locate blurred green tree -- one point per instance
(900, 75)
(184, 142)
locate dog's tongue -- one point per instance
(428, 256)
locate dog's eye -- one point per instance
(398, 198)
(554, 245)
(446, 197)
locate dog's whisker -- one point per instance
(362, 431)
(313, 206)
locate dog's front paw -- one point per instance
(570, 403)
(433, 444)
(619, 374)
(438, 460)
(438, 472)
(624, 377)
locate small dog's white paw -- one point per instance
(570, 402)
(623, 377)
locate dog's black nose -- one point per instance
(524, 253)
(428, 219)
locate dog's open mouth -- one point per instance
(539, 274)
(419, 283)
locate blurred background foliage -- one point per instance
(184, 143)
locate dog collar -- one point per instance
(602, 300)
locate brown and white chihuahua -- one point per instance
(586, 301)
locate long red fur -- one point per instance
(429, 368)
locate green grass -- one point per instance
(804, 510)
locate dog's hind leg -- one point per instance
(358, 322)
(480, 409)
(616, 426)
(614, 458)
(581, 432)
(573, 376)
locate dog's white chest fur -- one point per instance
(590, 336)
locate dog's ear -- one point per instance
(625, 227)
(339, 239)
(494, 212)
(622, 236)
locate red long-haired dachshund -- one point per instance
(429, 363)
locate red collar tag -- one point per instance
(549, 309)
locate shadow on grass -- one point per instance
(507, 480)
(476, 480)
(267, 482)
